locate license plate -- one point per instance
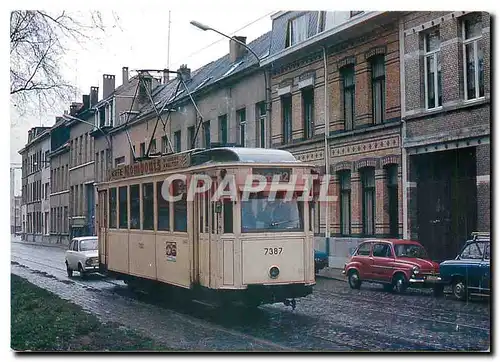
(432, 278)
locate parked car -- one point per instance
(82, 256)
(320, 260)
(393, 263)
(469, 272)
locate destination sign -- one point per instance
(283, 173)
(152, 166)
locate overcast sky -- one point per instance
(138, 38)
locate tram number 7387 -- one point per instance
(273, 251)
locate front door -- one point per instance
(205, 226)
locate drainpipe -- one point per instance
(404, 155)
(327, 153)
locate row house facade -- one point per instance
(59, 176)
(335, 92)
(81, 166)
(446, 134)
(229, 94)
(35, 181)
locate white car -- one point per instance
(82, 256)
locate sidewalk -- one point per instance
(331, 273)
(19, 241)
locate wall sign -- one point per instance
(155, 165)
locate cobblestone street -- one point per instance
(333, 318)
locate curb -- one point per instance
(333, 277)
(60, 246)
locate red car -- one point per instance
(393, 263)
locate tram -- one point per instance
(248, 248)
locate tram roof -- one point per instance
(242, 154)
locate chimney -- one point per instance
(108, 85)
(73, 109)
(165, 76)
(124, 75)
(236, 50)
(86, 101)
(185, 72)
(94, 96)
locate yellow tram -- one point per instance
(172, 220)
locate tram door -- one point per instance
(102, 223)
(202, 244)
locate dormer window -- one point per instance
(297, 30)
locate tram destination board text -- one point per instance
(152, 166)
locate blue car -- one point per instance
(469, 272)
(320, 260)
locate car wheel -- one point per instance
(388, 287)
(400, 283)
(459, 289)
(354, 280)
(69, 270)
(82, 272)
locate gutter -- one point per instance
(404, 155)
(327, 153)
(323, 36)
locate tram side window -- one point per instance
(122, 211)
(135, 207)
(180, 208)
(228, 216)
(147, 206)
(112, 208)
(163, 209)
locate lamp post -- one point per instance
(204, 27)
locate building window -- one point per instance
(147, 206)
(119, 161)
(135, 207)
(261, 124)
(242, 121)
(392, 190)
(432, 68)
(368, 207)
(177, 141)
(345, 202)
(123, 208)
(308, 112)
(473, 57)
(164, 144)
(228, 216)
(163, 209)
(153, 146)
(378, 88)
(286, 111)
(347, 74)
(142, 149)
(112, 208)
(206, 134)
(223, 129)
(191, 142)
(297, 30)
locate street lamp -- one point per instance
(204, 27)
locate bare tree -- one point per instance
(38, 42)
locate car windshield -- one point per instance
(90, 244)
(261, 214)
(410, 251)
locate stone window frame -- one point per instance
(475, 40)
(435, 54)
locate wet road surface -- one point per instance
(333, 318)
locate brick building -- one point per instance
(446, 133)
(81, 168)
(359, 112)
(35, 183)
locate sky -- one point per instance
(138, 39)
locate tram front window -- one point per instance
(261, 214)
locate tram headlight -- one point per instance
(274, 272)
